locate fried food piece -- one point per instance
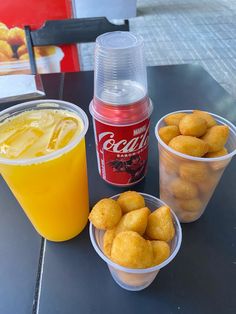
(219, 153)
(16, 36)
(108, 238)
(105, 214)
(193, 205)
(170, 162)
(21, 50)
(218, 165)
(194, 171)
(6, 49)
(189, 145)
(47, 50)
(135, 220)
(160, 225)
(3, 34)
(166, 133)
(131, 250)
(216, 137)
(161, 251)
(206, 187)
(3, 57)
(188, 216)
(25, 56)
(193, 125)
(174, 119)
(130, 200)
(183, 189)
(209, 119)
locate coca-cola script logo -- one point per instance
(107, 142)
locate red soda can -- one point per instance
(121, 109)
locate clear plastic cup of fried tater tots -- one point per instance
(136, 279)
(186, 182)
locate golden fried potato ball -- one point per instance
(221, 164)
(189, 145)
(209, 119)
(131, 250)
(170, 162)
(135, 220)
(16, 36)
(105, 214)
(108, 238)
(219, 153)
(168, 132)
(160, 225)
(194, 171)
(174, 119)
(161, 251)
(3, 57)
(131, 279)
(6, 49)
(193, 125)
(3, 34)
(216, 137)
(185, 216)
(206, 187)
(193, 205)
(183, 189)
(130, 200)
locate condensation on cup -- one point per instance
(121, 108)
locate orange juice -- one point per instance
(43, 160)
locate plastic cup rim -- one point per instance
(29, 104)
(221, 158)
(139, 270)
(139, 42)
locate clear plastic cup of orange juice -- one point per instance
(43, 161)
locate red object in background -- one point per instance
(35, 13)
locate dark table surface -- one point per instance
(42, 277)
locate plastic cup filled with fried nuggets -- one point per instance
(137, 247)
(192, 159)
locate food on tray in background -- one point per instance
(138, 239)
(13, 45)
(187, 183)
(43, 160)
(14, 57)
(16, 36)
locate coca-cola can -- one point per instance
(122, 144)
(121, 108)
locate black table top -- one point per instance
(68, 278)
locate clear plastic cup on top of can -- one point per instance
(186, 182)
(121, 108)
